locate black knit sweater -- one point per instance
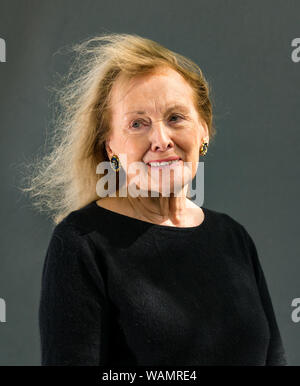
(121, 291)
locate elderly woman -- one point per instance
(143, 279)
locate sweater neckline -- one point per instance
(201, 226)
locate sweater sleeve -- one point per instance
(73, 305)
(276, 354)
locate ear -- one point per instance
(206, 132)
(108, 149)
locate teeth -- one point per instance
(163, 163)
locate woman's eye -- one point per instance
(138, 126)
(176, 116)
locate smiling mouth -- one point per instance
(164, 164)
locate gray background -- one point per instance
(251, 170)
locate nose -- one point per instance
(159, 137)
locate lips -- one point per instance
(164, 160)
(165, 164)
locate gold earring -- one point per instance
(115, 163)
(203, 148)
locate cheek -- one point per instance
(125, 143)
(186, 141)
(193, 140)
(134, 149)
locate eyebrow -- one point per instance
(173, 107)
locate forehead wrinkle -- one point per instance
(168, 109)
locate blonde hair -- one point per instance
(65, 178)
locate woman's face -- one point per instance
(154, 118)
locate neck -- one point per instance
(159, 209)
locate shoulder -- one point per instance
(69, 240)
(234, 238)
(80, 220)
(69, 246)
(79, 224)
(229, 227)
(222, 219)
